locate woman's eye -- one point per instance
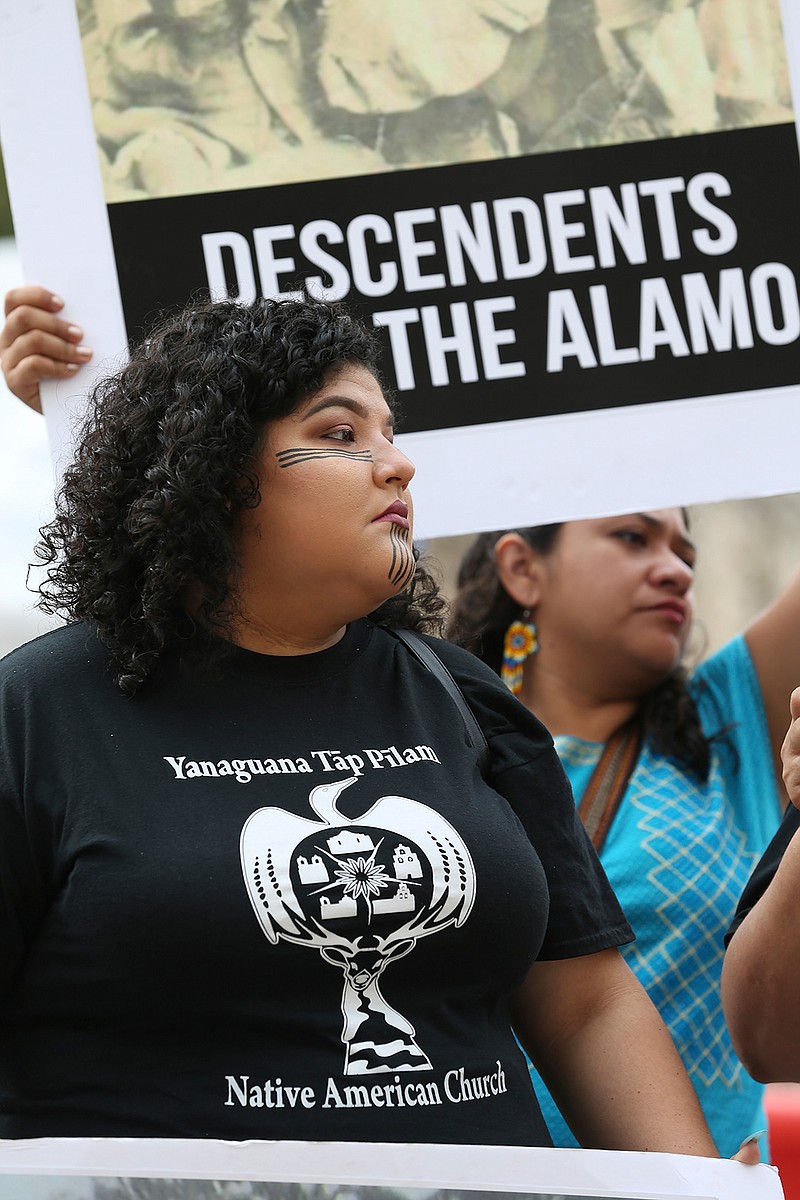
(341, 435)
(634, 537)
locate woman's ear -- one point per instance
(519, 569)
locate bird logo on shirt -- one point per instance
(361, 891)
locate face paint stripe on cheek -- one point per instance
(301, 454)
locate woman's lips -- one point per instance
(395, 514)
(673, 609)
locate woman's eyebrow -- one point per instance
(683, 541)
(354, 406)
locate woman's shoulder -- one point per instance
(728, 696)
(465, 666)
(726, 681)
(497, 711)
(54, 656)
(725, 663)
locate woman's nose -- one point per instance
(671, 569)
(392, 463)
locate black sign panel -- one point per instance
(521, 287)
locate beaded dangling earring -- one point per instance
(519, 643)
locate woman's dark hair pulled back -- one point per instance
(166, 459)
(483, 610)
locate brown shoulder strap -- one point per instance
(609, 780)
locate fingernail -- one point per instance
(71, 368)
(83, 352)
(56, 301)
(754, 1137)
(75, 331)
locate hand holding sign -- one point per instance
(35, 344)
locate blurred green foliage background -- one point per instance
(5, 210)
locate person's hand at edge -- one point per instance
(35, 344)
(790, 751)
(749, 1152)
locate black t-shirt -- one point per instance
(764, 872)
(280, 901)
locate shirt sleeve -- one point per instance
(26, 828)
(728, 696)
(585, 915)
(764, 872)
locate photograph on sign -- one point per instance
(20, 1187)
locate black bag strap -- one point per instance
(430, 659)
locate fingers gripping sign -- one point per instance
(36, 344)
(790, 751)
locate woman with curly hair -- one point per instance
(675, 777)
(257, 879)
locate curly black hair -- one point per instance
(165, 461)
(483, 610)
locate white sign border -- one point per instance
(57, 204)
(592, 1173)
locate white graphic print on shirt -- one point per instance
(361, 891)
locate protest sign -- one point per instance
(573, 229)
